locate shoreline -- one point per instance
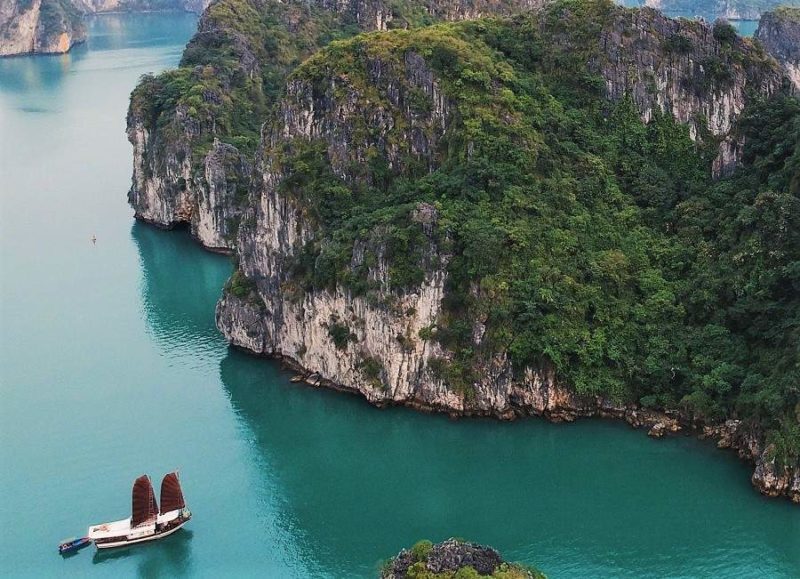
(768, 478)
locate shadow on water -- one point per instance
(352, 484)
(361, 483)
(38, 74)
(180, 286)
(170, 556)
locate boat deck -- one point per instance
(123, 527)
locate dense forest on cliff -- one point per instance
(578, 235)
(574, 233)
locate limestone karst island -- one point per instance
(425, 289)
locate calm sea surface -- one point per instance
(110, 366)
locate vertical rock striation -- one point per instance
(687, 69)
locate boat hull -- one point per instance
(147, 538)
(69, 547)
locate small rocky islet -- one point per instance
(454, 559)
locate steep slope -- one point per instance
(39, 26)
(194, 130)
(503, 218)
(779, 32)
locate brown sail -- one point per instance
(171, 493)
(144, 508)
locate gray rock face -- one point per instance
(779, 32)
(769, 477)
(39, 26)
(389, 356)
(168, 191)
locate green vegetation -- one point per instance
(340, 334)
(58, 16)
(581, 237)
(233, 69)
(790, 13)
(241, 286)
(413, 563)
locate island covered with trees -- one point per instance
(571, 209)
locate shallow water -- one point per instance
(110, 366)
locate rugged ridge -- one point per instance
(171, 145)
(39, 26)
(779, 32)
(380, 344)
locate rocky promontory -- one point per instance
(225, 66)
(581, 210)
(39, 26)
(454, 558)
(779, 32)
(398, 305)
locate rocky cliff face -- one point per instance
(380, 344)
(779, 32)
(39, 26)
(680, 67)
(169, 184)
(173, 191)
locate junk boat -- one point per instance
(70, 545)
(146, 523)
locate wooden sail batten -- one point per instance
(171, 493)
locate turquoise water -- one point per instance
(743, 27)
(110, 366)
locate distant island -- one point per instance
(55, 26)
(454, 559)
(714, 9)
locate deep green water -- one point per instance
(111, 366)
